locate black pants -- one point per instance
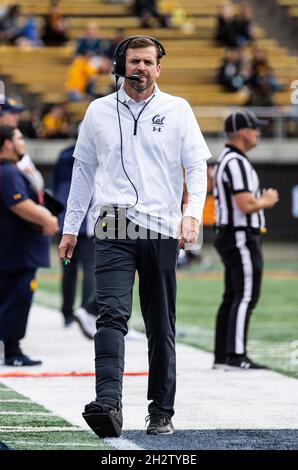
(116, 262)
(16, 295)
(83, 255)
(241, 255)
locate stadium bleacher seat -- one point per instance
(189, 68)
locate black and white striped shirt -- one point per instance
(235, 174)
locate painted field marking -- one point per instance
(63, 374)
(73, 444)
(122, 444)
(14, 400)
(40, 429)
(26, 413)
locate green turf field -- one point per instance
(272, 340)
(25, 425)
(273, 328)
(274, 325)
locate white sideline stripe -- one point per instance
(122, 444)
(38, 443)
(247, 290)
(26, 413)
(14, 400)
(17, 429)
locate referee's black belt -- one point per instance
(220, 229)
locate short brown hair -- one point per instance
(141, 42)
(6, 133)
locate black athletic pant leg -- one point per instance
(156, 266)
(115, 266)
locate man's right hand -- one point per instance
(270, 196)
(67, 245)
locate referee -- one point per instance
(240, 221)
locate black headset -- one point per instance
(120, 51)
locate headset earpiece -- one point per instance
(119, 59)
(120, 51)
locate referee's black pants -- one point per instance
(241, 254)
(116, 262)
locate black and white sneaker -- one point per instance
(159, 424)
(242, 362)
(21, 360)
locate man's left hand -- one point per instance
(188, 230)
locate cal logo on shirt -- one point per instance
(17, 196)
(158, 123)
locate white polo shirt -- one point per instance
(160, 137)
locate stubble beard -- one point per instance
(141, 88)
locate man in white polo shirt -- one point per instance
(138, 140)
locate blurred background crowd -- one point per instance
(244, 55)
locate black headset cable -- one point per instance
(121, 149)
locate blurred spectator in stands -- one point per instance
(55, 123)
(29, 33)
(10, 24)
(235, 71)
(263, 83)
(234, 30)
(55, 29)
(19, 31)
(244, 25)
(90, 43)
(147, 10)
(226, 25)
(177, 14)
(30, 124)
(109, 50)
(81, 76)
